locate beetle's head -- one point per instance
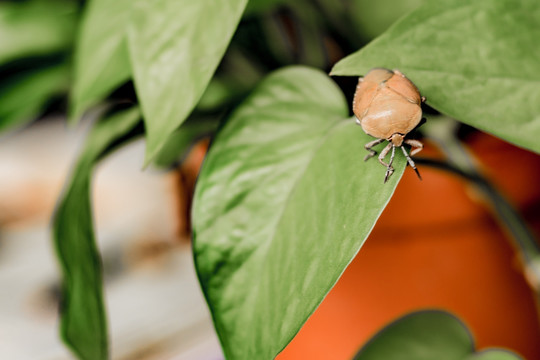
(396, 139)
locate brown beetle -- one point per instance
(387, 106)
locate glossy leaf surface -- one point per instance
(83, 321)
(175, 47)
(101, 57)
(427, 335)
(283, 203)
(478, 62)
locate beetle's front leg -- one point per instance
(369, 146)
(389, 168)
(383, 154)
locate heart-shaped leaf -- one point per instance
(175, 47)
(83, 322)
(476, 61)
(283, 203)
(427, 335)
(101, 57)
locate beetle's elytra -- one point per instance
(388, 106)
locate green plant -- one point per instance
(284, 201)
(37, 39)
(412, 337)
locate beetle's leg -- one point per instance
(390, 169)
(383, 154)
(415, 144)
(410, 161)
(369, 146)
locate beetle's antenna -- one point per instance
(411, 162)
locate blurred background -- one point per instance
(425, 253)
(155, 306)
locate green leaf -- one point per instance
(35, 27)
(182, 139)
(494, 354)
(476, 61)
(175, 47)
(23, 96)
(101, 56)
(83, 322)
(255, 7)
(373, 17)
(427, 335)
(283, 203)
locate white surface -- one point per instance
(156, 309)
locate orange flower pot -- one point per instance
(435, 246)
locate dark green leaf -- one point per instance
(23, 96)
(372, 18)
(260, 6)
(493, 354)
(310, 36)
(218, 92)
(35, 27)
(476, 61)
(83, 323)
(175, 47)
(427, 335)
(101, 56)
(283, 203)
(182, 139)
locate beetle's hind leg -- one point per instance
(410, 161)
(415, 144)
(389, 168)
(369, 146)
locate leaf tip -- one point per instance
(152, 150)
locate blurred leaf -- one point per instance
(175, 47)
(283, 203)
(23, 96)
(372, 18)
(35, 27)
(182, 139)
(101, 56)
(477, 62)
(240, 70)
(427, 335)
(310, 35)
(494, 354)
(83, 322)
(219, 91)
(260, 6)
